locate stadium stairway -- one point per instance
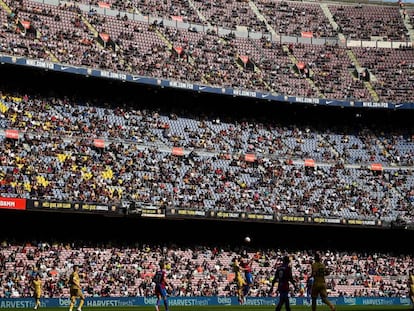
(371, 91)
(89, 25)
(48, 52)
(352, 56)
(261, 18)
(331, 146)
(408, 25)
(329, 16)
(38, 33)
(168, 43)
(202, 17)
(95, 33)
(367, 84)
(294, 61)
(5, 7)
(257, 69)
(237, 63)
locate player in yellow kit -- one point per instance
(238, 277)
(37, 288)
(319, 271)
(75, 289)
(411, 286)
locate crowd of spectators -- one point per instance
(79, 34)
(111, 270)
(102, 153)
(292, 18)
(73, 152)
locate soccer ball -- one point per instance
(247, 239)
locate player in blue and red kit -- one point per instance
(283, 276)
(160, 280)
(246, 266)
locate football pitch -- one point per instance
(227, 308)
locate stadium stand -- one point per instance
(313, 60)
(78, 139)
(123, 265)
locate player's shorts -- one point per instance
(240, 281)
(319, 290)
(160, 291)
(284, 294)
(249, 278)
(76, 292)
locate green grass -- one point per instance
(229, 308)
